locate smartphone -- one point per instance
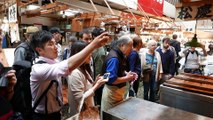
(106, 76)
(3, 80)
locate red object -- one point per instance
(154, 7)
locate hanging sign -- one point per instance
(204, 11)
(154, 7)
(12, 14)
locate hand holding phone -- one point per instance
(106, 76)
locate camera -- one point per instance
(3, 71)
(3, 82)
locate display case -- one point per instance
(193, 93)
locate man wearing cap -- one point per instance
(57, 36)
(24, 59)
(22, 50)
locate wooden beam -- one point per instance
(54, 10)
(197, 3)
(46, 9)
(21, 4)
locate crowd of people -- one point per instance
(40, 64)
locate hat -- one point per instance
(31, 29)
(55, 30)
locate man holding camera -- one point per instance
(7, 82)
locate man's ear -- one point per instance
(39, 50)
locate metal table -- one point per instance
(138, 109)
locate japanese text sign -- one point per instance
(204, 11)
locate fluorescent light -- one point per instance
(32, 7)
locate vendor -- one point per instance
(192, 64)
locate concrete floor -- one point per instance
(65, 108)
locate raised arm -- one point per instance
(79, 58)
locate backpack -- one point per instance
(22, 99)
(30, 53)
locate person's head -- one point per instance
(156, 38)
(96, 32)
(166, 42)
(152, 45)
(44, 44)
(210, 46)
(77, 47)
(85, 36)
(56, 33)
(137, 43)
(29, 31)
(192, 49)
(71, 40)
(125, 44)
(174, 37)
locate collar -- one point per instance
(119, 52)
(163, 49)
(49, 61)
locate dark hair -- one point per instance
(97, 31)
(166, 39)
(174, 36)
(40, 38)
(210, 46)
(55, 30)
(136, 41)
(72, 38)
(86, 31)
(77, 47)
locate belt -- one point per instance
(117, 85)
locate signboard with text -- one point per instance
(204, 11)
(12, 14)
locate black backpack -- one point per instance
(22, 99)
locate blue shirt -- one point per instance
(168, 63)
(112, 67)
(149, 60)
(134, 62)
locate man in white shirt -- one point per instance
(47, 69)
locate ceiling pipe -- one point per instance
(129, 10)
(93, 5)
(109, 7)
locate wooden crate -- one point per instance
(191, 82)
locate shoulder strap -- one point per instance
(44, 93)
(197, 52)
(86, 75)
(40, 62)
(186, 56)
(22, 45)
